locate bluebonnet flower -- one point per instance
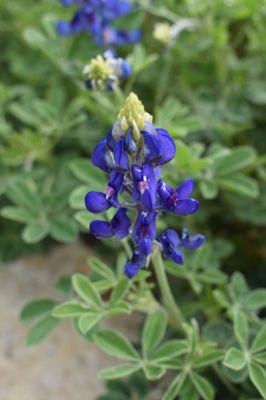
(171, 244)
(133, 153)
(106, 72)
(118, 226)
(96, 17)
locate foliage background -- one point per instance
(208, 90)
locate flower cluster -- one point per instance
(96, 17)
(106, 72)
(133, 153)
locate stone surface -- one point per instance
(64, 367)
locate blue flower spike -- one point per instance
(132, 154)
(97, 17)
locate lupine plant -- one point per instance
(77, 79)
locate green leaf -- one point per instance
(175, 387)
(209, 190)
(41, 330)
(170, 349)
(63, 284)
(69, 309)
(153, 372)
(234, 359)
(260, 358)
(120, 290)
(241, 184)
(101, 269)
(259, 343)
(88, 320)
(238, 159)
(203, 387)
(115, 344)
(211, 276)
(153, 331)
(241, 328)
(258, 378)
(36, 309)
(255, 299)
(238, 285)
(18, 214)
(84, 218)
(63, 228)
(119, 308)
(35, 233)
(119, 371)
(211, 357)
(76, 198)
(86, 290)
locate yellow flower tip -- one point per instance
(162, 32)
(98, 68)
(132, 115)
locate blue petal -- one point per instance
(101, 157)
(172, 237)
(145, 246)
(63, 28)
(167, 146)
(151, 147)
(120, 224)
(101, 229)
(185, 207)
(96, 202)
(131, 269)
(121, 158)
(176, 256)
(185, 189)
(195, 241)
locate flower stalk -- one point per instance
(169, 302)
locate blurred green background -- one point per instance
(208, 90)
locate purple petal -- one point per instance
(120, 224)
(121, 158)
(145, 246)
(176, 256)
(96, 202)
(188, 206)
(196, 241)
(101, 229)
(101, 157)
(167, 146)
(172, 237)
(151, 147)
(131, 269)
(185, 189)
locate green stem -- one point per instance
(167, 296)
(127, 248)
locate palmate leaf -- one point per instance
(169, 349)
(37, 308)
(119, 371)
(120, 291)
(241, 328)
(234, 359)
(259, 343)
(41, 330)
(175, 387)
(115, 344)
(153, 331)
(258, 377)
(100, 268)
(255, 299)
(238, 159)
(86, 290)
(69, 309)
(153, 372)
(203, 387)
(88, 321)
